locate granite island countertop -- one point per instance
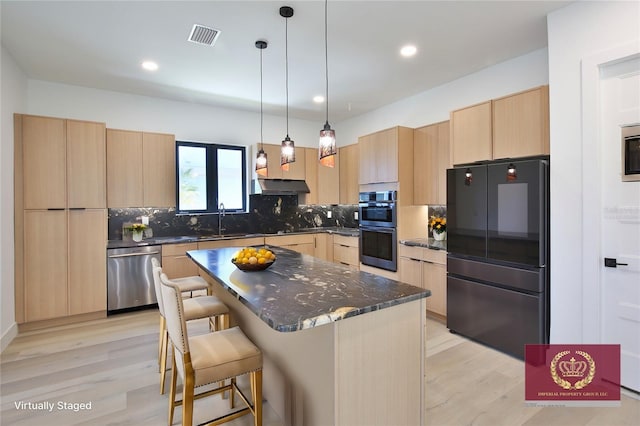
(300, 291)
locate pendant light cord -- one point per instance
(326, 59)
(261, 116)
(286, 66)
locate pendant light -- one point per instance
(327, 149)
(261, 159)
(287, 150)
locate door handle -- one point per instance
(613, 263)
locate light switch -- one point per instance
(355, 215)
(329, 214)
(145, 220)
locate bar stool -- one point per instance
(194, 308)
(209, 358)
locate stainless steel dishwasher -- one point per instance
(130, 277)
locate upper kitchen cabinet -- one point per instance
(521, 124)
(328, 181)
(140, 169)
(349, 173)
(274, 170)
(471, 134)
(158, 169)
(380, 155)
(513, 126)
(86, 165)
(430, 163)
(62, 162)
(311, 175)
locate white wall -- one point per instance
(187, 121)
(576, 33)
(14, 96)
(434, 105)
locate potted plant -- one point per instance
(137, 231)
(438, 227)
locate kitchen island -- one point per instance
(340, 347)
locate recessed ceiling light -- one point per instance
(150, 66)
(408, 50)
(318, 99)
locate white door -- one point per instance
(620, 227)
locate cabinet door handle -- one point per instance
(77, 208)
(56, 209)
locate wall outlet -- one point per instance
(355, 215)
(145, 220)
(329, 214)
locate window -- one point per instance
(210, 174)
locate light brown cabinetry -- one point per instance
(140, 169)
(323, 246)
(430, 163)
(346, 250)
(329, 182)
(311, 175)
(512, 126)
(60, 218)
(425, 268)
(521, 124)
(386, 157)
(471, 135)
(87, 263)
(349, 173)
(176, 263)
(302, 243)
(231, 242)
(46, 257)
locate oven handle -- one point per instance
(378, 229)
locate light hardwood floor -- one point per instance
(112, 364)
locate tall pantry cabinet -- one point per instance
(61, 218)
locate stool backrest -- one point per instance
(174, 315)
(157, 286)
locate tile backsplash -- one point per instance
(267, 214)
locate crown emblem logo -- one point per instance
(572, 368)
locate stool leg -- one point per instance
(172, 390)
(163, 328)
(232, 400)
(256, 394)
(163, 360)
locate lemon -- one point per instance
(253, 260)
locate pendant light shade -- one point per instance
(287, 149)
(327, 149)
(261, 158)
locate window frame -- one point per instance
(212, 176)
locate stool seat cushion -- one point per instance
(222, 355)
(191, 283)
(203, 307)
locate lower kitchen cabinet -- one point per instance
(64, 264)
(426, 268)
(302, 243)
(176, 263)
(346, 250)
(231, 242)
(324, 246)
(87, 265)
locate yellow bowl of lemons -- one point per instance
(253, 259)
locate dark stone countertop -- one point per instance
(429, 243)
(351, 232)
(300, 291)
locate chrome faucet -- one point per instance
(221, 213)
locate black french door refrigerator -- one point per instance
(498, 252)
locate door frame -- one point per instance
(592, 186)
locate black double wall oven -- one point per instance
(378, 233)
(498, 252)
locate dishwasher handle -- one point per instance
(113, 256)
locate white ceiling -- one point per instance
(102, 43)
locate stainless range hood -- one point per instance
(281, 187)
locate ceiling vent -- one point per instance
(203, 35)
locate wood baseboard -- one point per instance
(39, 325)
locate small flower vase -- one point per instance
(439, 236)
(136, 236)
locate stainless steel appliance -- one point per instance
(498, 252)
(378, 233)
(130, 277)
